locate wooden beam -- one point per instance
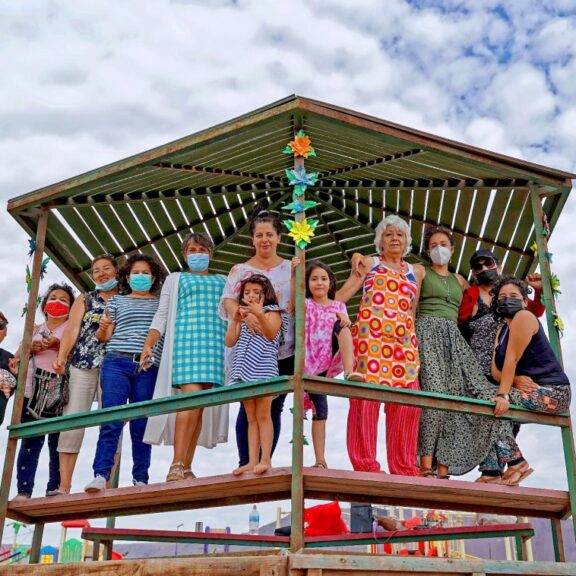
(216, 170)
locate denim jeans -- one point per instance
(122, 382)
(28, 456)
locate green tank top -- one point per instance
(440, 296)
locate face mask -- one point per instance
(106, 286)
(487, 277)
(140, 282)
(56, 309)
(508, 307)
(440, 255)
(198, 262)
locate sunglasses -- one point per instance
(3, 324)
(480, 265)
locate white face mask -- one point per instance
(440, 255)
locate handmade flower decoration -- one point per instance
(301, 232)
(300, 179)
(304, 441)
(534, 248)
(31, 246)
(299, 205)
(555, 281)
(300, 146)
(559, 323)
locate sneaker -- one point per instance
(139, 483)
(354, 377)
(21, 497)
(57, 492)
(97, 485)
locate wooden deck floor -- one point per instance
(343, 485)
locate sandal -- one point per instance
(489, 480)
(189, 474)
(175, 472)
(514, 475)
(427, 473)
(354, 377)
(321, 465)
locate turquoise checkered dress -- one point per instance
(199, 332)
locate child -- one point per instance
(256, 358)
(327, 329)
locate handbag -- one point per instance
(49, 394)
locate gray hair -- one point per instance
(198, 238)
(399, 224)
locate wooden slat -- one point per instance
(379, 488)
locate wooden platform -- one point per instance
(342, 485)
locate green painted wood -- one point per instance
(519, 548)
(557, 540)
(569, 462)
(36, 544)
(203, 399)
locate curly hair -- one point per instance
(432, 229)
(268, 289)
(158, 273)
(394, 221)
(62, 286)
(311, 266)
(505, 281)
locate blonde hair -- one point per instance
(399, 224)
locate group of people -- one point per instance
(139, 335)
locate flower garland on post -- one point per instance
(43, 267)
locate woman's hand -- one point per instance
(345, 321)
(51, 343)
(37, 346)
(146, 358)
(502, 405)
(359, 269)
(524, 384)
(13, 364)
(59, 366)
(252, 323)
(294, 263)
(535, 281)
(6, 390)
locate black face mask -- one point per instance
(488, 277)
(508, 307)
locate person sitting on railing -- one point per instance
(87, 354)
(192, 358)
(55, 306)
(124, 327)
(475, 320)
(256, 358)
(265, 231)
(386, 349)
(449, 442)
(527, 370)
(7, 377)
(327, 331)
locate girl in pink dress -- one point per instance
(327, 330)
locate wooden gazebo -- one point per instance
(208, 181)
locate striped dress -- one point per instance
(256, 357)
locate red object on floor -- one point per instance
(324, 520)
(117, 555)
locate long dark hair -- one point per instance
(505, 281)
(311, 266)
(158, 272)
(62, 286)
(267, 288)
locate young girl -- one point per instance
(256, 358)
(327, 330)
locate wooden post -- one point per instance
(297, 485)
(23, 370)
(111, 520)
(36, 543)
(558, 540)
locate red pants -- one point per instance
(401, 436)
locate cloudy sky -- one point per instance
(84, 84)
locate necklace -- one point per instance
(445, 282)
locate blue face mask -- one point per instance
(198, 262)
(140, 282)
(106, 286)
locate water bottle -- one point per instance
(254, 520)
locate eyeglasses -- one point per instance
(3, 324)
(483, 264)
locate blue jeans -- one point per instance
(28, 457)
(122, 382)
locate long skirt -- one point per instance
(457, 440)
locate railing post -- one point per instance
(36, 543)
(23, 370)
(558, 540)
(297, 485)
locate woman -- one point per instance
(88, 353)
(449, 442)
(55, 306)
(386, 349)
(475, 320)
(193, 355)
(527, 371)
(124, 327)
(7, 380)
(265, 229)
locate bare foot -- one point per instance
(246, 468)
(262, 467)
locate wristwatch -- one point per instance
(503, 395)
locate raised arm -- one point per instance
(354, 282)
(70, 334)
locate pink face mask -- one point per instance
(56, 309)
